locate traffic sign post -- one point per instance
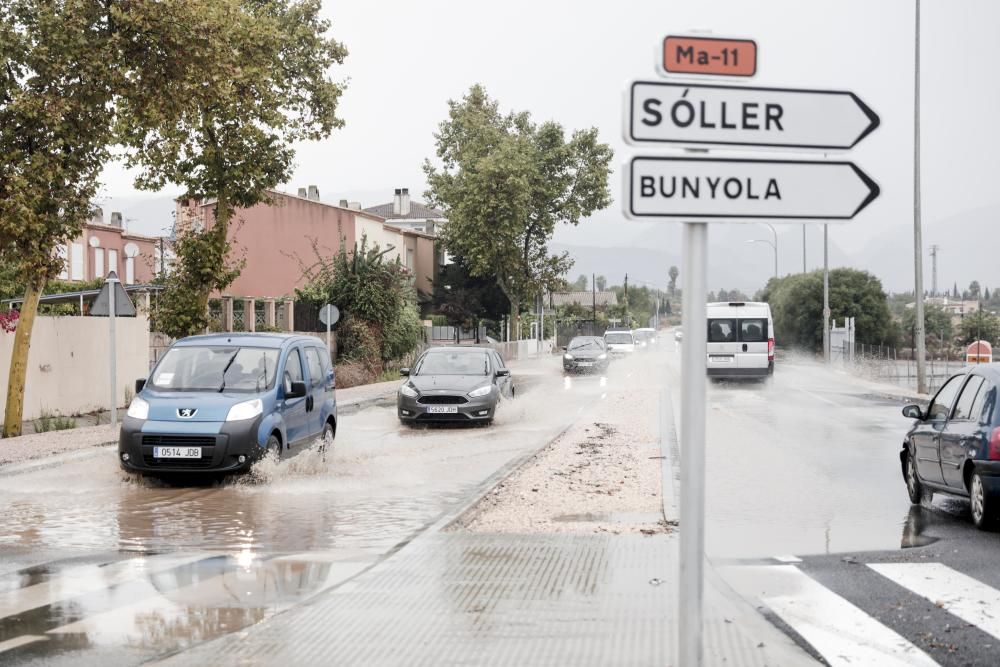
(329, 315)
(681, 113)
(695, 190)
(735, 189)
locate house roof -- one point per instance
(417, 212)
(603, 299)
(365, 212)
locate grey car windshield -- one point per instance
(585, 344)
(216, 368)
(453, 363)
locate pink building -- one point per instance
(277, 240)
(102, 248)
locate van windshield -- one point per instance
(216, 368)
(619, 338)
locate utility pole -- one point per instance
(934, 254)
(803, 248)
(626, 302)
(826, 296)
(593, 292)
(918, 291)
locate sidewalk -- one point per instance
(40, 445)
(461, 598)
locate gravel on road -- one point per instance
(600, 476)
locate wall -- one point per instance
(385, 237)
(109, 238)
(68, 364)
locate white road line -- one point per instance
(21, 641)
(959, 594)
(75, 581)
(841, 632)
(818, 397)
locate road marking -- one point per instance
(959, 594)
(23, 640)
(841, 632)
(818, 397)
(75, 581)
(788, 559)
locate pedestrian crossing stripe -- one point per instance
(959, 594)
(841, 632)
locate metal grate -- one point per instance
(442, 400)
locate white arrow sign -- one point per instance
(745, 116)
(696, 187)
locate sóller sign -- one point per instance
(679, 113)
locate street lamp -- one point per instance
(774, 247)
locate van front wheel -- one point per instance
(273, 449)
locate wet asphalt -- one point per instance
(100, 567)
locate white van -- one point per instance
(740, 340)
(619, 343)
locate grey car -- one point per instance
(454, 384)
(586, 353)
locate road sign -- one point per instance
(329, 314)
(711, 188)
(102, 304)
(663, 112)
(709, 55)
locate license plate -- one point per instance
(585, 363)
(177, 452)
(719, 358)
(443, 409)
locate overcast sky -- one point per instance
(569, 61)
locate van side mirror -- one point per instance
(139, 384)
(913, 412)
(503, 372)
(404, 372)
(297, 390)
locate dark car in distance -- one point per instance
(954, 447)
(586, 354)
(454, 384)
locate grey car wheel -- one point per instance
(981, 503)
(913, 486)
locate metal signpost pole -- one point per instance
(918, 244)
(692, 510)
(112, 309)
(826, 296)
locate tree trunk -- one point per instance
(220, 230)
(14, 410)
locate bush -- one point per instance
(48, 421)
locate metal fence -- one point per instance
(898, 367)
(446, 333)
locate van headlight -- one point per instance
(482, 391)
(245, 410)
(138, 409)
(408, 391)
(603, 356)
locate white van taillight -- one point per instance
(770, 349)
(994, 453)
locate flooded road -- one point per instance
(101, 567)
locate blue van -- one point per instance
(220, 402)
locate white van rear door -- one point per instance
(723, 343)
(753, 335)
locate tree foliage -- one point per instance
(601, 282)
(379, 318)
(220, 118)
(937, 327)
(464, 300)
(673, 273)
(980, 325)
(505, 183)
(797, 307)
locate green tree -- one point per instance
(979, 325)
(464, 300)
(673, 273)
(937, 325)
(254, 80)
(797, 306)
(581, 284)
(506, 183)
(55, 128)
(974, 289)
(601, 283)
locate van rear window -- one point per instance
(753, 331)
(721, 331)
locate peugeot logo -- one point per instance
(186, 413)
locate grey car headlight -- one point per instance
(408, 391)
(568, 357)
(482, 391)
